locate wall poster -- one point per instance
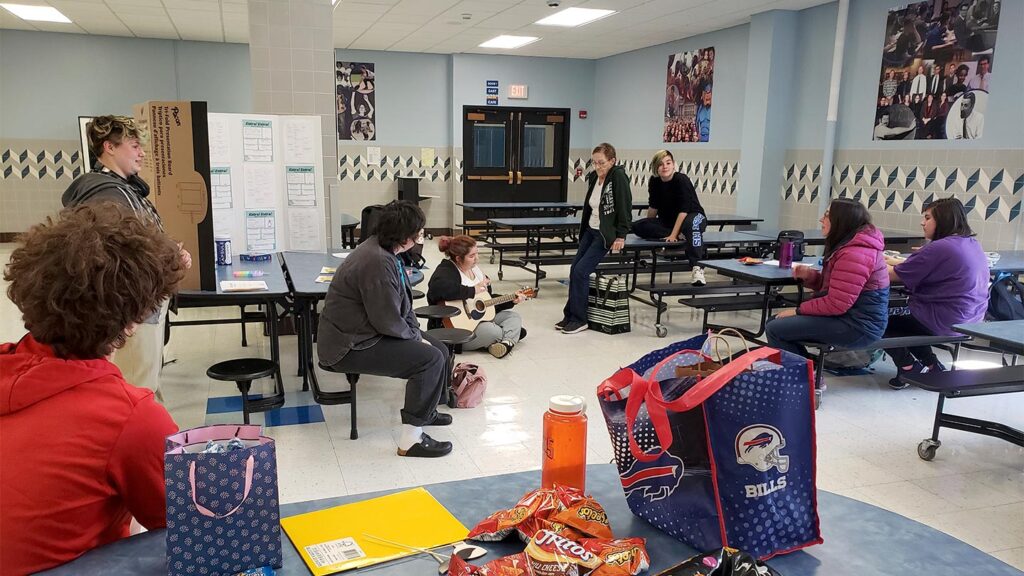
(688, 90)
(357, 118)
(937, 68)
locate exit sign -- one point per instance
(517, 91)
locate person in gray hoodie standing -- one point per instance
(116, 143)
(368, 327)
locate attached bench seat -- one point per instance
(882, 344)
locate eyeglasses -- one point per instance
(601, 163)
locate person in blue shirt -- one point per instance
(704, 114)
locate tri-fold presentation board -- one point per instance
(266, 182)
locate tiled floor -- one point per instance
(867, 433)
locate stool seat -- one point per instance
(437, 311)
(242, 369)
(451, 336)
(417, 294)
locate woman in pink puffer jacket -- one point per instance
(851, 293)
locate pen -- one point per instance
(247, 273)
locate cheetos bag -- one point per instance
(725, 460)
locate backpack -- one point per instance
(851, 362)
(469, 382)
(1006, 298)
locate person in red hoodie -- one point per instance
(850, 306)
(81, 451)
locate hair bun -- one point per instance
(443, 242)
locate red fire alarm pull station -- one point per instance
(583, 114)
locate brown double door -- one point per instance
(515, 154)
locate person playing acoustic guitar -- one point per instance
(458, 277)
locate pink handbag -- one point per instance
(469, 381)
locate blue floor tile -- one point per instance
(294, 415)
(221, 404)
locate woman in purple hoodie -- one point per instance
(948, 284)
(851, 293)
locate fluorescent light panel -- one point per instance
(572, 17)
(37, 13)
(506, 42)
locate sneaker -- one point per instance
(898, 383)
(574, 327)
(698, 276)
(937, 367)
(500, 349)
(561, 325)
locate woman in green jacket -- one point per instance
(605, 223)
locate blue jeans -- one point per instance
(785, 333)
(588, 256)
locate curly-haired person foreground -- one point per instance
(82, 449)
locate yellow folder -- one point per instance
(333, 540)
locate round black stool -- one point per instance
(417, 294)
(242, 372)
(450, 337)
(436, 312)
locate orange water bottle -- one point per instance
(565, 443)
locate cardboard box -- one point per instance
(177, 168)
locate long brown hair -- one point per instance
(846, 217)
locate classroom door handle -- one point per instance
(520, 179)
(510, 176)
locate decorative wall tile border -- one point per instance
(991, 194)
(25, 164)
(708, 176)
(355, 168)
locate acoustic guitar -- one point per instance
(480, 308)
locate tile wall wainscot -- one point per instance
(33, 175)
(714, 174)
(362, 184)
(896, 184)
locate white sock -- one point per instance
(410, 435)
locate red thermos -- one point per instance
(565, 443)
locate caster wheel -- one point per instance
(430, 236)
(492, 259)
(927, 448)
(817, 399)
(661, 331)
(501, 275)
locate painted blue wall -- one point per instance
(1004, 119)
(629, 106)
(49, 79)
(554, 82)
(814, 70)
(413, 92)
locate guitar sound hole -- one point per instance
(480, 307)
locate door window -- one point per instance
(489, 145)
(538, 146)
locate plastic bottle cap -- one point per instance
(566, 404)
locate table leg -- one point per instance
(275, 343)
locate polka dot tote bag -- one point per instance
(222, 505)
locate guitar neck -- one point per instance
(499, 300)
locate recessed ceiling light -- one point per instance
(509, 42)
(574, 17)
(37, 13)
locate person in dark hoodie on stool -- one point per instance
(368, 327)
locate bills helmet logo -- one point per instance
(761, 446)
(653, 480)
